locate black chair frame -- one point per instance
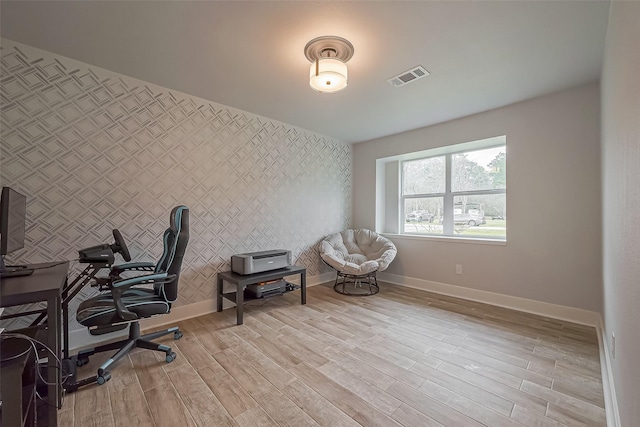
(355, 285)
(123, 302)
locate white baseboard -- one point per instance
(81, 339)
(610, 400)
(560, 312)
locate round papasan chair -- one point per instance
(357, 255)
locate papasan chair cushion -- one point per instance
(357, 251)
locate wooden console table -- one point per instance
(241, 281)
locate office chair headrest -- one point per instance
(179, 219)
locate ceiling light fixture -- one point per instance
(328, 56)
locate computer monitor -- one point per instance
(13, 210)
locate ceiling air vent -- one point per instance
(408, 76)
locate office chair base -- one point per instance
(135, 340)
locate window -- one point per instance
(461, 192)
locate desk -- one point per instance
(241, 282)
(44, 285)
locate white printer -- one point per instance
(259, 262)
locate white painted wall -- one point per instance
(621, 202)
(553, 249)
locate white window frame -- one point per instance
(448, 195)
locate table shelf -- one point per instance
(239, 297)
(247, 297)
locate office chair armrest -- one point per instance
(104, 283)
(145, 279)
(131, 266)
(121, 309)
(119, 287)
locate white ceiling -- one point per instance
(249, 55)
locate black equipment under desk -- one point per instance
(45, 284)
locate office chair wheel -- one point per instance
(106, 376)
(177, 335)
(171, 357)
(81, 361)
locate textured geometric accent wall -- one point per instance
(94, 150)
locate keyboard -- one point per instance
(16, 271)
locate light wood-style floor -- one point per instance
(402, 357)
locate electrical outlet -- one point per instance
(613, 345)
(458, 268)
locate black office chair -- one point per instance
(122, 304)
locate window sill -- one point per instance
(447, 239)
